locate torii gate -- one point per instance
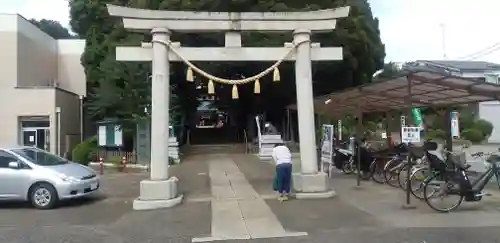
(160, 190)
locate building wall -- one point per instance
(36, 56)
(490, 110)
(70, 72)
(40, 103)
(38, 74)
(8, 50)
(70, 119)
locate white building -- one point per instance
(482, 71)
(42, 80)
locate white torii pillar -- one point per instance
(161, 190)
(309, 183)
(305, 106)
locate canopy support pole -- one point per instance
(409, 105)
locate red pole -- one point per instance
(124, 164)
(101, 166)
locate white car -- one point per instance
(42, 178)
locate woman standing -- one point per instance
(283, 159)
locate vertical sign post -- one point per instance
(339, 129)
(326, 146)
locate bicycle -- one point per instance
(343, 158)
(377, 170)
(379, 162)
(418, 170)
(456, 182)
(419, 175)
(392, 168)
(416, 166)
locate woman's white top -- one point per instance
(282, 155)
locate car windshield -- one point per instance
(40, 157)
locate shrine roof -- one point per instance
(429, 88)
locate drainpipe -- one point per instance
(58, 129)
(81, 117)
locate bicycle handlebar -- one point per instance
(478, 154)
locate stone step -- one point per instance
(215, 148)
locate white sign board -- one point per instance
(339, 126)
(327, 145)
(118, 136)
(101, 136)
(455, 129)
(410, 134)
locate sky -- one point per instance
(411, 29)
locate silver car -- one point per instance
(42, 178)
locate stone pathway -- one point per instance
(238, 211)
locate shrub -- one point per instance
(466, 121)
(473, 135)
(485, 127)
(81, 153)
(116, 160)
(435, 134)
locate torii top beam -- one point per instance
(186, 21)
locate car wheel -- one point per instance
(43, 196)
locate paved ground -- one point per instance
(217, 186)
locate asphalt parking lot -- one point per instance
(118, 190)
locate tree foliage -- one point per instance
(122, 90)
(52, 28)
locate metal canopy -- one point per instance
(428, 88)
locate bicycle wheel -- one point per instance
(437, 190)
(377, 171)
(348, 166)
(391, 172)
(417, 179)
(403, 176)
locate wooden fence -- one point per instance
(131, 157)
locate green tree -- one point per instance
(52, 28)
(116, 89)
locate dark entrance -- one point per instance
(215, 124)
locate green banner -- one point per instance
(417, 116)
